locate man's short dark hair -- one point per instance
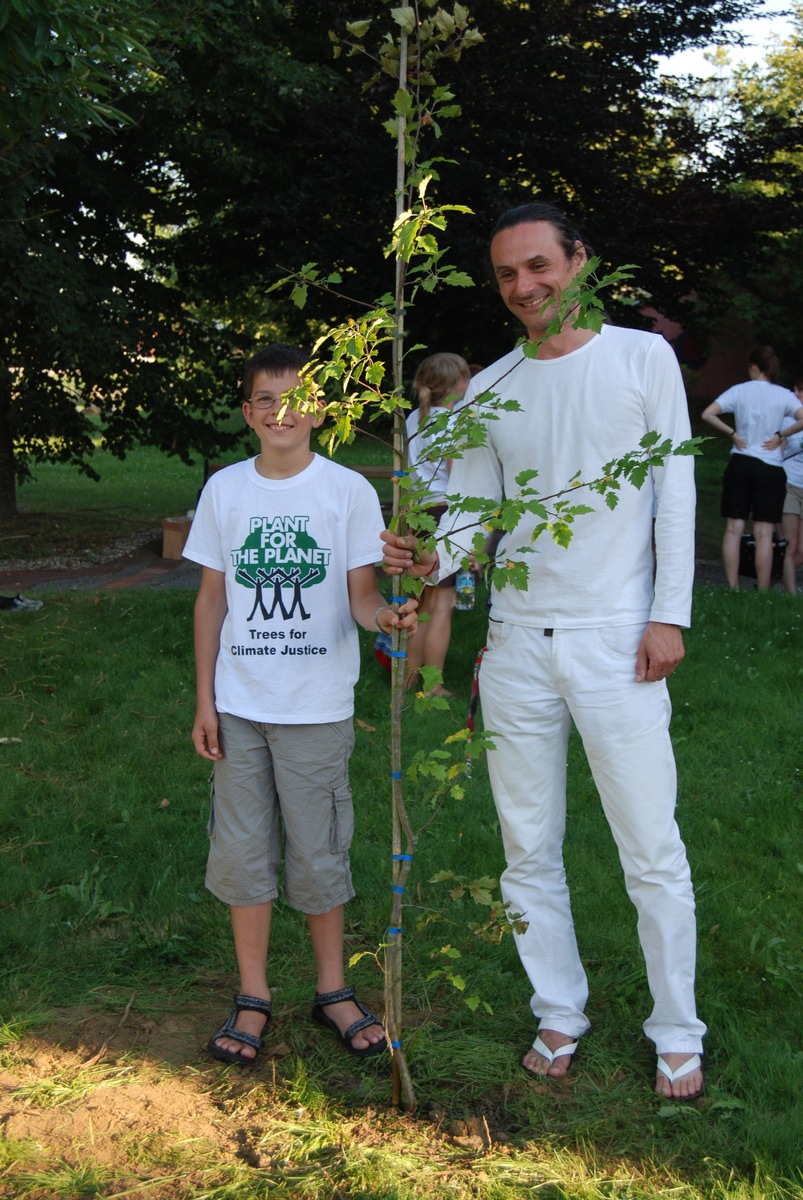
(273, 360)
(525, 214)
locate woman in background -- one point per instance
(439, 383)
(754, 483)
(792, 524)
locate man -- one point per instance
(592, 639)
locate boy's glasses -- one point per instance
(263, 403)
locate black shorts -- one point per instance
(753, 488)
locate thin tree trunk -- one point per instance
(8, 479)
(403, 840)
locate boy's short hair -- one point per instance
(273, 360)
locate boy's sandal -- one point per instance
(227, 1030)
(686, 1068)
(323, 1000)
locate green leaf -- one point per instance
(404, 18)
(403, 102)
(459, 279)
(516, 573)
(639, 474)
(691, 446)
(299, 295)
(358, 29)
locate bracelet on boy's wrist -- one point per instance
(381, 608)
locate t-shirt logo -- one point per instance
(278, 560)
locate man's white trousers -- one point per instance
(532, 687)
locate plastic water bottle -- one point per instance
(464, 585)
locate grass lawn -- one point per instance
(117, 965)
(62, 512)
(709, 468)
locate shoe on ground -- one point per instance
(227, 1030)
(541, 1048)
(19, 604)
(325, 999)
(686, 1068)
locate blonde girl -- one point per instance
(440, 383)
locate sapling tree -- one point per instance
(363, 360)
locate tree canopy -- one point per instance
(562, 100)
(759, 134)
(161, 171)
(81, 322)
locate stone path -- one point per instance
(139, 569)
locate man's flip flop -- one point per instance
(691, 1064)
(541, 1048)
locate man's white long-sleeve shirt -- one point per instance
(577, 413)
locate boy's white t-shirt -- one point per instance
(289, 646)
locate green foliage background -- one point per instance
(159, 172)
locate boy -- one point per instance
(287, 541)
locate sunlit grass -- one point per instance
(64, 1182)
(67, 1087)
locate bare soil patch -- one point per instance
(139, 1099)
(130, 1110)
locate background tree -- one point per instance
(85, 319)
(564, 102)
(248, 149)
(270, 159)
(757, 120)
